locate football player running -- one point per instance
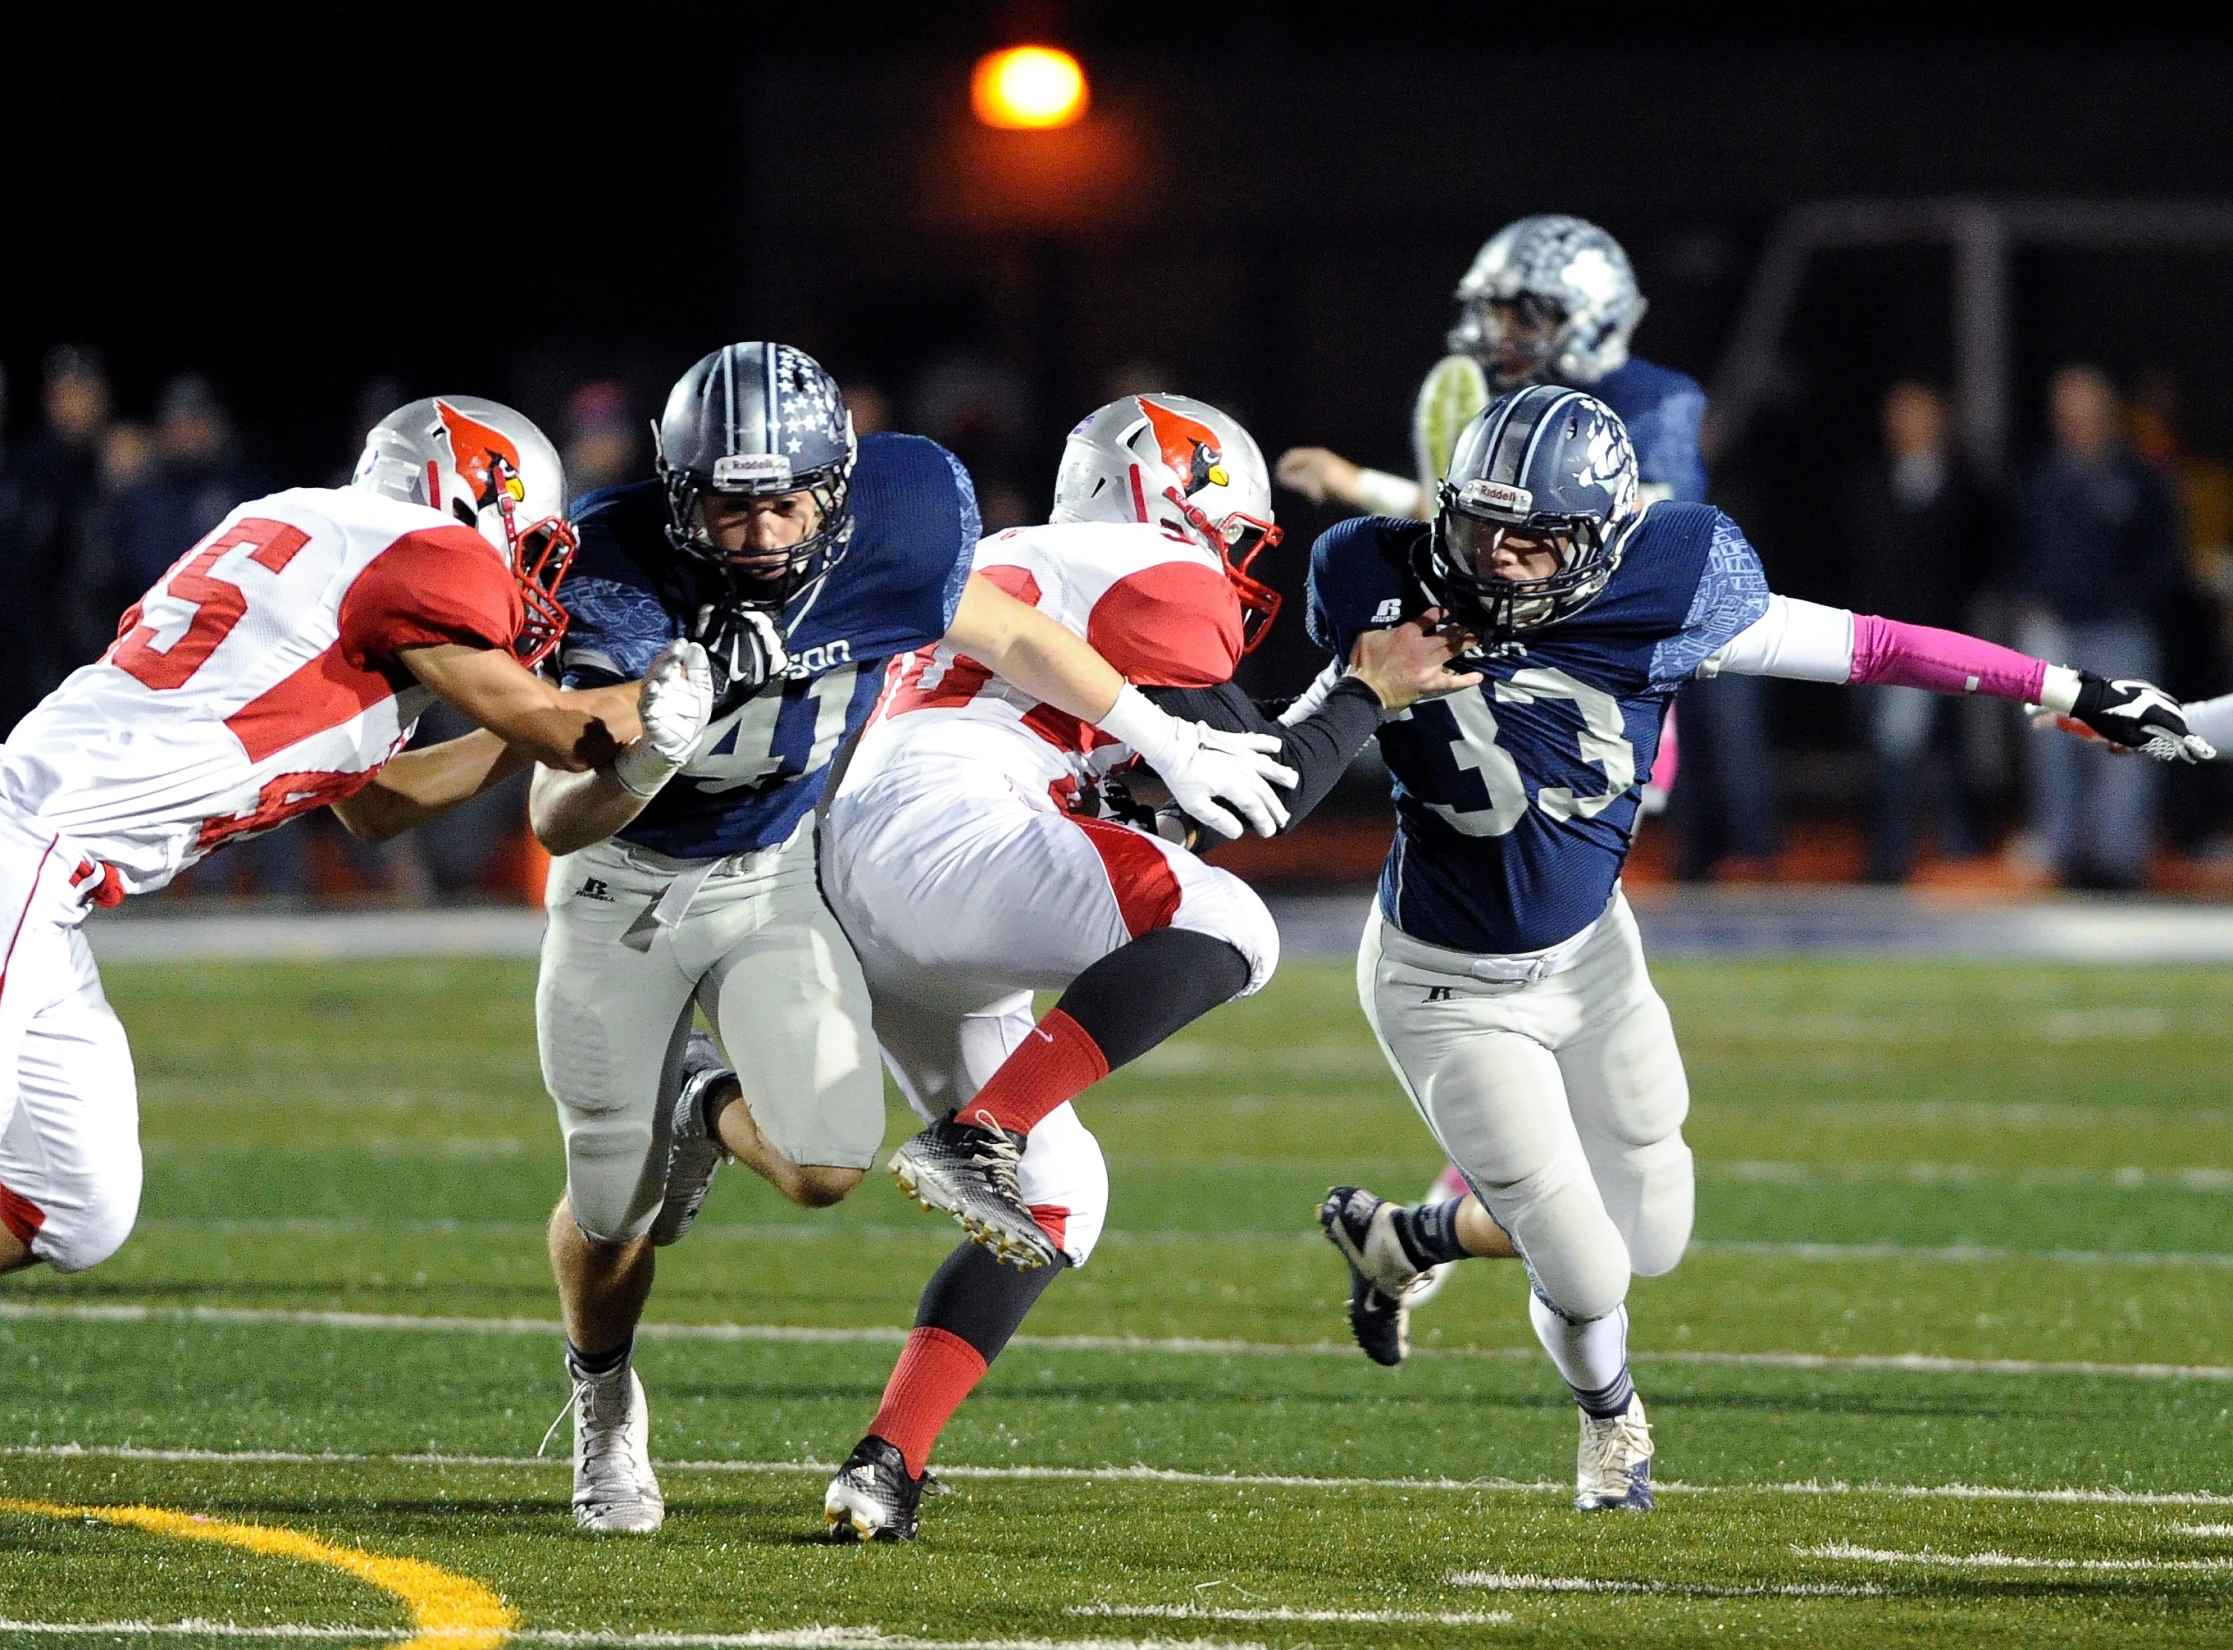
(1549, 299)
(758, 582)
(1500, 968)
(971, 862)
(279, 666)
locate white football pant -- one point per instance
(964, 893)
(69, 1108)
(1561, 1097)
(632, 947)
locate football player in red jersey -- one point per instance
(278, 667)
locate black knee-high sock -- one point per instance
(973, 1296)
(1161, 983)
(1113, 1012)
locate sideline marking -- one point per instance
(1956, 1254)
(1501, 1582)
(1147, 1475)
(792, 1638)
(448, 1611)
(1387, 1618)
(1913, 1363)
(2008, 1561)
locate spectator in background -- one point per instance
(870, 406)
(198, 476)
(2097, 553)
(103, 585)
(57, 482)
(602, 435)
(1922, 537)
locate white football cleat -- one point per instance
(1613, 1466)
(615, 1490)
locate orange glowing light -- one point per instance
(1028, 88)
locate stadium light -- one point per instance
(1028, 88)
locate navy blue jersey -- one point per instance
(1516, 800)
(761, 767)
(1662, 409)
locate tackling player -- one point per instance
(971, 864)
(1500, 969)
(279, 666)
(1549, 299)
(773, 564)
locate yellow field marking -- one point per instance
(450, 1612)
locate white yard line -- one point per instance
(2009, 1561)
(1954, 1254)
(1905, 1362)
(1502, 1582)
(1135, 1474)
(2215, 1531)
(1386, 1618)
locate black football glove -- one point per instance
(2140, 716)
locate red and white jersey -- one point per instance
(257, 680)
(1157, 605)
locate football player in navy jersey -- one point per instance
(1549, 299)
(1500, 968)
(757, 584)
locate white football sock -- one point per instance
(1593, 1356)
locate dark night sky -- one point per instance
(497, 200)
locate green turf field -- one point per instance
(1949, 1363)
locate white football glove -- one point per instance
(674, 705)
(1205, 768)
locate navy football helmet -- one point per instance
(757, 420)
(1551, 465)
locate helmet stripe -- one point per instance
(768, 400)
(1544, 424)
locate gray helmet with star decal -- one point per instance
(1549, 298)
(758, 420)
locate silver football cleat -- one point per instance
(694, 1152)
(1613, 1465)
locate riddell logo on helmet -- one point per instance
(751, 470)
(1188, 447)
(485, 457)
(1499, 496)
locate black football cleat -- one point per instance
(872, 1498)
(1381, 1276)
(970, 1172)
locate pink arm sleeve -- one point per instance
(1893, 654)
(1668, 758)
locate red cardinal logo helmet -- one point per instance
(1188, 446)
(486, 458)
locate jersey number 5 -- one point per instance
(218, 605)
(1604, 742)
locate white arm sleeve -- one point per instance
(2213, 720)
(1312, 696)
(1802, 640)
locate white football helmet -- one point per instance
(493, 470)
(1180, 464)
(1547, 298)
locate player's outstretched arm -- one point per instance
(1812, 643)
(1320, 473)
(1205, 769)
(424, 784)
(519, 707)
(569, 811)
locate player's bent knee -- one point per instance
(609, 1184)
(1226, 908)
(84, 1237)
(1574, 1250)
(818, 1187)
(1658, 1230)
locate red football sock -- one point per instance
(1058, 1061)
(936, 1371)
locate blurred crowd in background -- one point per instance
(2110, 547)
